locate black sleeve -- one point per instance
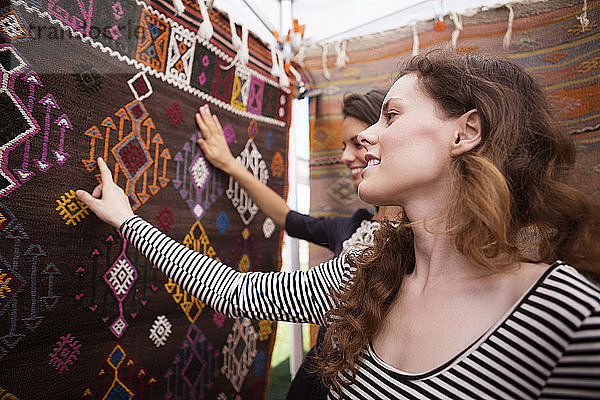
(317, 230)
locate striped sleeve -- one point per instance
(576, 375)
(299, 296)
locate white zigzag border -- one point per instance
(161, 75)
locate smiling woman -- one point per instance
(446, 304)
(359, 111)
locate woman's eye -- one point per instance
(389, 116)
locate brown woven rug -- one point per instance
(82, 314)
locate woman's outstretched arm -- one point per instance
(217, 152)
(300, 296)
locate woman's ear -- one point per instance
(467, 134)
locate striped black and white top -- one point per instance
(547, 346)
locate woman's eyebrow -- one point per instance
(386, 106)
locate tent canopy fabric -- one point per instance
(333, 20)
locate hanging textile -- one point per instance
(82, 313)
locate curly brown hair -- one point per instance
(510, 188)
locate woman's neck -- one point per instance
(436, 256)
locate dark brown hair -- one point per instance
(364, 107)
(510, 187)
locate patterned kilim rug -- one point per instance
(82, 314)
(547, 39)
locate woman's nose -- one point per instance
(346, 155)
(368, 136)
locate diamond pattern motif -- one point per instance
(120, 277)
(193, 370)
(135, 158)
(239, 352)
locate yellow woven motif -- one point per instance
(71, 208)
(197, 240)
(265, 329)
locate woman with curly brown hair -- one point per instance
(465, 299)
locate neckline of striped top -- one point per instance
(473, 347)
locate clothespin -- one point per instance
(296, 34)
(438, 12)
(276, 34)
(299, 28)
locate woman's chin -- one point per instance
(365, 194)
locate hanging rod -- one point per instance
(261, 18)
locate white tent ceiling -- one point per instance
(333, 20)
